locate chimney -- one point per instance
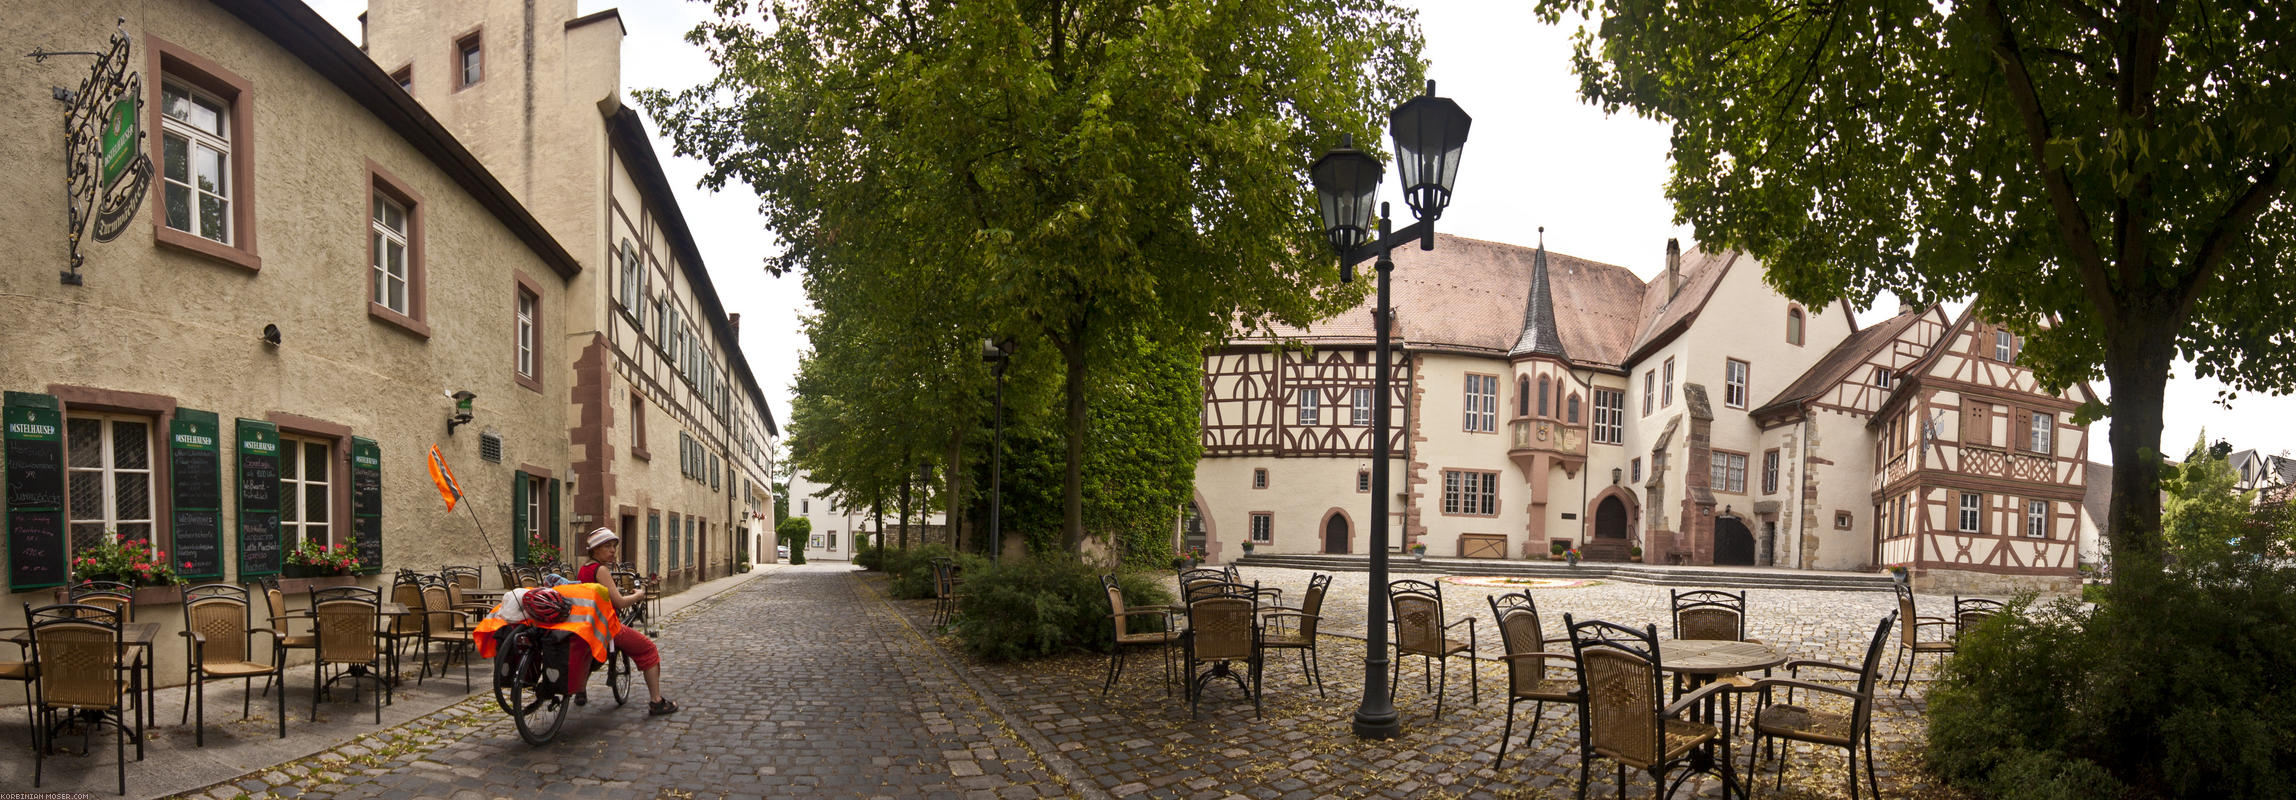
(1905, 307)
(1673, 267)
(733, 322)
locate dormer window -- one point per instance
(2004, 345)
(1881, 377)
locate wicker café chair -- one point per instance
(1121, 616)
(1800, 723)
(276, 602)
(1189, 579)
(1276, 635)
(948, 579)
(1223, 628)
(1910, 645)
(1528, 665)
(24, 671)
(218, 642)
(465, 577)
(1420, 631)
(1271, 597)
(77, 652)
(1627, 718)
(1716, 615)
(442, 626)
(1970, 612)
(346, 619)
(403, 631)
(121, 603)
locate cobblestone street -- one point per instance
(811, 682)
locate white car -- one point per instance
(783, 550)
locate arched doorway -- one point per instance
(1192, 529)
(1335, 535)
(1610, 519)
(1733, 543)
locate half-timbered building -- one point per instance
(1696, 417)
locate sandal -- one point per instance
(662, 706)
(581, 698)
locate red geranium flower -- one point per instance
(187, 565)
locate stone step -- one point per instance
(1704, 577)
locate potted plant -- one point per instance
(540, 552)
(310, 559)
(1634, 554)
(1195, 557)
(1555, 551)
(1897, 572)
(1418, 550)
(1247, 547)
(135, 562)
(1571, 555)
(742, 566)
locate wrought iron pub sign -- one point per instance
(106, 167)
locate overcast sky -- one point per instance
(1537, 156)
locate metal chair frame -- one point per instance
(1119, 616)
(1222, 613)
(1308, 615)
(1909, 642)
(53, 629)
(1861, 714)
(199, 638)
(1406, 593)
(1596, 641)
(336, 613)
(1527, 664)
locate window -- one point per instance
(804, 506)
(638, 426)
(1523, 396)
(1666, 387)
(1259, 479)
(1310, 408)
(1971, 517)
(1542, 395)
(1634, 471)
(304, 499)
(469, 61)
(1470, 492)
(528, 307)
(2037, 519)
(831, 538)
(1649, 383)
(1362, 481)
(1881, 377)
(390, 254)
(1844, 520)
(1769, 472)
(1609, 416)
(196, 136)
(1359, 407)
(1794, 326)
(1482, 403)
(1728, 472)
(2004, 345)
(633, 284)
(405, 78)
(1572, 415)
(395, 252)
(1734, 382)
(537, 507)
(1976, 424)
(1899, 524)
(109, 461)
(2043, 425)
(1263, 528)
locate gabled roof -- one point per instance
(1666, 313)
(1841, 361)
(1539, 337)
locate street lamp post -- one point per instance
(998, 354)
(1429, 133)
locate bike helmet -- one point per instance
(545, 606)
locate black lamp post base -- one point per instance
(1384, 726)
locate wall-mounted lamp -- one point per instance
(1615, 474)
(461, 415)
(271, 335)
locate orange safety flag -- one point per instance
(439, 474)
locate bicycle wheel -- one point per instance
(506, 664)
(618, 668)
(536, 708)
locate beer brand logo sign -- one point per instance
(107, 168)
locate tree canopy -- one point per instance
(2110, 178)
(1074, 173)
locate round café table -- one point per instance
(1697, 662)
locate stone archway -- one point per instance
(1337, 533)
(1733, 543)
(1613, 517)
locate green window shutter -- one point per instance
(518, 516)
(35, 491)
(367, 502)
(259, 543)
(195, 485)
(554, 533)
(653, 544)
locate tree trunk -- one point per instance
(951, 516)
(2137, 362)
(1072, 489)
(877, 510)
(907, 479)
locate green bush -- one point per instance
(1045, 605)
(793, 532)
(865, 556)
(912, 569)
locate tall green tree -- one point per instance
(1099, 169)
(2204, 508)
(2117, 167)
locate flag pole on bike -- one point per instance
(451, 491)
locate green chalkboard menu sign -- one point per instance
(195, 485)
(34, 460)
(259, 553)
(367, 502)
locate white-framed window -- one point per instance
(2004, 345)
(109, 459)
(195, 151)
(1666, 387)
(1844, 520)
(1310, 407)
(527, 304)
(536, 507)
(1634, 470)
(1259, 478)
(306, 498)
(470, 61)
(2043, 425)
(1728, 472)
(1482, 403)
(1881, 377)
(1794, 326)
(1359, 407)
(389, 229)
(1263, 528)
(1971, 513)
(1734, 382)
(1470, 492)
(633, 283)
(1769, 472)
(1649, 386)
(1609, 416)
(2037, 519)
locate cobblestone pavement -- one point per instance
(804, 682)
(1138, 741)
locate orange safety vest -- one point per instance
(590, 616)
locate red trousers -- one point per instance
(640, 648)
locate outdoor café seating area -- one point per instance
(1652, 700)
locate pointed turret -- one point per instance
(1539, 337)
